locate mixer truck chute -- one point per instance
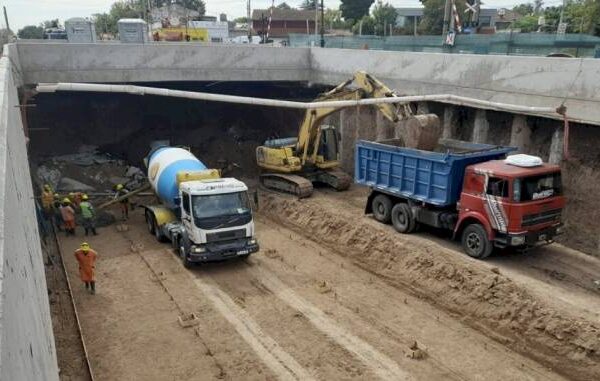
(206, 218)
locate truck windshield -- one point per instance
(214, 205)
(537, 187)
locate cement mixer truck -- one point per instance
(205, 217)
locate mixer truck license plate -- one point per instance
(242, 252)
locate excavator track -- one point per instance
(338, 180)
(293, 184)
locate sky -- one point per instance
(28, 12)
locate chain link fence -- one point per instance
(525, 44)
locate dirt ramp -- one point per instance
(485, 298)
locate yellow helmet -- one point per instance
(119, 186)
(84, 197)
(84, 246)
(66, 200)
(47, 187)
(56, 195)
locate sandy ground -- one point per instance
(302, 309)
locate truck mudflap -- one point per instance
(220, 251)
(529, 240)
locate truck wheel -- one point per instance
(183, 253)
(150, 222)
(158, 232)
(475, 242)
(382, 208)
(402, 219)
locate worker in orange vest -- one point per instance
(68, 215)
(87, 266)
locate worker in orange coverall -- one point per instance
(87, 266)
(68, 216)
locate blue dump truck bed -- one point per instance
(434, 177)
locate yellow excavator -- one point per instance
(291, 165)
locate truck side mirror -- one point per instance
(255, 196)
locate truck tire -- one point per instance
(158, 234)
(402, 219)
(475, 242)
(382, 208)
(150, 222)
(183, 253)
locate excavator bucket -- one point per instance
(421, 131)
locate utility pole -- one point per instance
(249, 21)
(6, 20)
(316, 17)
(446, 15)
(322, 24)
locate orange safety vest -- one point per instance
(47, 200)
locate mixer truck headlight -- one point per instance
(560, 229)
(198, 249)
(517, 240)
(252, 241)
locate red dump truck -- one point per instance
(484, 197)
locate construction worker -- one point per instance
(68, 216)
(75, 198)
(87, 266)
(47, 200)
(58, 221)
(88, 214)
(120, 192)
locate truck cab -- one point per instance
(212, 223)
(515, 205)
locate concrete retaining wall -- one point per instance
(113, 62)
(27, 349)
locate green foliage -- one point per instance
(283, 5)
(383, 15)
(195, 5)
(355, 9)
(523, 9)
(368, 26)
(310, 4)
(432, 21)
(527, 24)
(51, 24)
(333, 19)
(31, 32)
(241, 20)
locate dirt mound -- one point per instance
(486, 299)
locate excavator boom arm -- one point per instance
(365, 86)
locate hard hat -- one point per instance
(66, 200)
(47, 187)
(119, 186)
(84, 246)
(56, 195)
(71, 194)
(84, 196)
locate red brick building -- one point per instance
(283, 22)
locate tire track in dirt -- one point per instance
(380, 364)
(279, 361)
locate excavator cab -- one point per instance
(329, 146)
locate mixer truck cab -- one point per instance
(206, 218)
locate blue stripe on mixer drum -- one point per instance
(166, 187)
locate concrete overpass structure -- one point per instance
(26, 340)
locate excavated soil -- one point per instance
(485, 299)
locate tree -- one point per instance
(310, 4)
(538, 6)
(50, 24)
(527, 24)
(366, 25)
(31, 32)
(283, 6)
(432, 21)
(383, 15)
(241, 20)
(523, 9)
(194, 5)
(333, 19)
(355, 9)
